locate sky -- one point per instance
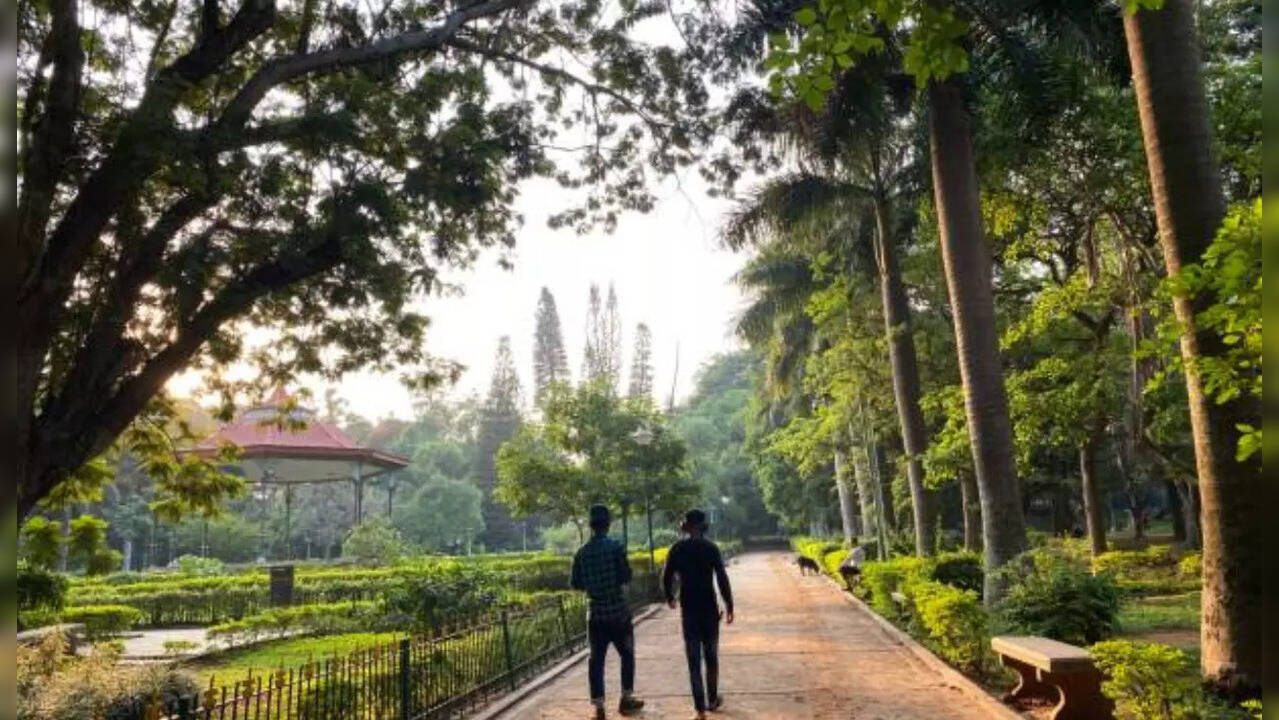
(667, 266)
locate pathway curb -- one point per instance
(515, 697)
(949, 674)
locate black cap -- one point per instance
(695, 520)
(599, 516)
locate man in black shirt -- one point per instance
(696, 561)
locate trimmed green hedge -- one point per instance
(102, 621)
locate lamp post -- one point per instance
(643, 436)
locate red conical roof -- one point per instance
(265, 432)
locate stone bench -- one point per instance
(1047, 668)
(71, 631)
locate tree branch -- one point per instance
(138, 151)
(281, 70)
(53, 130)
(589, 86)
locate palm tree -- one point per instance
(1164, 52)
(857, 158)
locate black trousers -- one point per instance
(619, 633)
(701, 642)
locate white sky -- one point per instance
(667, 266)
(668, 269)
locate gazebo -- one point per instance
(283, 444)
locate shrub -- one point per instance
(953, 620)
(1190, 566)
(374, 542)
(1122, 561)
(1149, 681)
(314, 618)
(103, 562)
(960, 569)
(103, 621)
(1060, 600)
(53, 687)
(41, 541)
(196, 566)
(830, 563)
(423, 600)
(179, 647)
(87, 542)
(39, 588)
(882, 579)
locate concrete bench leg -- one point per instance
(1079, 696)
(1028, 683)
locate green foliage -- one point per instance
(196, 566)
(563, 539)
(1190, 565)
(954, 622)
(41, 541)
(424, 599)
(537, 471)
(963, 570)
(87, 546)
(1149, 681)
(374, 542)
(1060, 600)
(440, 513)
(39, 588)
(1228, 281)
(882, 579)
(103, 621)
(313, 618)
(1121, 561)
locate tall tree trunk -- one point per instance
(847, 514)
(972, 511)
(1190, 511)
(905, 371)
(865, 491)
(1175, 512)
(883, 485)
(967, 262)
(1094, 522)
(1164, 53)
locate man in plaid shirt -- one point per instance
(600, 570)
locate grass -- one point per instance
(231, 665)
(1160, 613)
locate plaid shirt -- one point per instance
(600, 569)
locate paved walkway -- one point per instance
(797, 650)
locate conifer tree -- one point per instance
(642, 363)
(499, 420)
(611, 341)
(550, 361)
(592, 353)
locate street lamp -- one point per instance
(643, 436)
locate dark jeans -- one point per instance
(701, 640)
(620, 634)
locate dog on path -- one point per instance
(807, 564)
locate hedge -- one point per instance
(102, 621)
(167, 599)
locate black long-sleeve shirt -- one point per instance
(696, 560)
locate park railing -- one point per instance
(439, 675)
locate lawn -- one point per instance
(231, 665)
(1170, 619)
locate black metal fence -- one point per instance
(442, 675)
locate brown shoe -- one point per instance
(598, 713)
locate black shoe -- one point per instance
(716, 703)
(599, 713)
(628, 705)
